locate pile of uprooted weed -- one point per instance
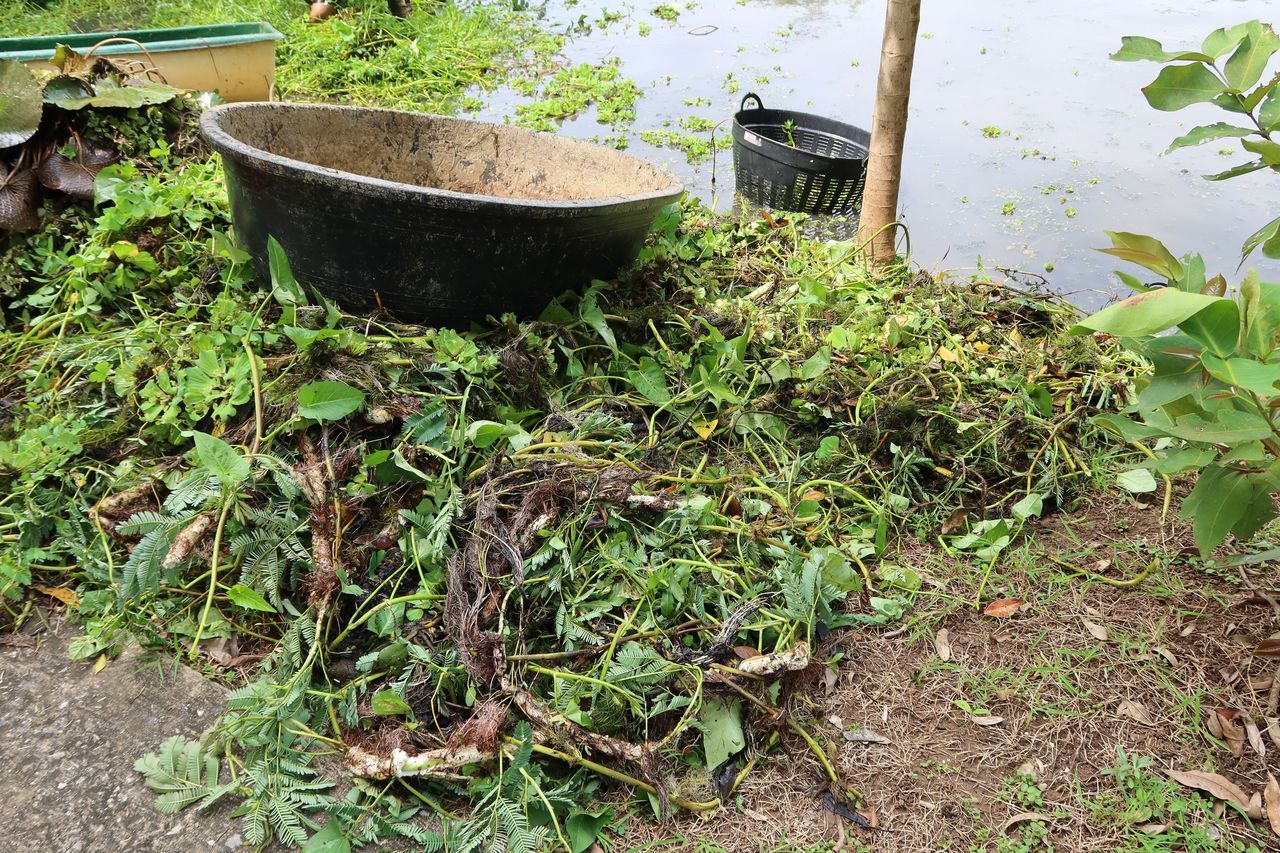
(495, 571)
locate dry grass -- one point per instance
(1177, 645)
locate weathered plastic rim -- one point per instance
(229, 146)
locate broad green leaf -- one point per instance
(650, 380)
(583, 827)
(1186, 459)
(1217, 326)
(1132, 282)
(1268, 237)
(1225, 426)
(1206, 132)
(1029, 507)
(1223, 39)
(1266, 149)
(1146, 251)
(221, 459)
(1126, 428)
(387, 703)
(109, 94)
(591, 314)
(248, 598)
(484, 434)
(815, 365)
(1237, 171)
(284, 287)
(1250, 59)
(1269, 113)
(1253, 376)
(722, 735)
(1136, 480)
(63, 87)
(21, 105)
(1179, 86)
(1261, 304)
(1147, 313)
(328, 400)
(1141, 48)
(328, 840)
(1218, 502)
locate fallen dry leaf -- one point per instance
(1003, 608)
(755, 815)
(1135, 711)
(1269, 648)
(66, 596)
(955, 521)
(1095, 630)
(18, 641)
(1223, 720)
(1023, 817)
(1273, 729)
(1213, 784)
(1153, 828)
(942, 644)
(984, 720)
(1166, 654)
(1272, 796)
(1254, 809)
(1254, 736)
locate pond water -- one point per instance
(1070, 147)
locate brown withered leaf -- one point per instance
(1273, 729)
(1215, 785)
(1231, 732)
(942, 644)
(1271, 794)
(864, 736)
(1166, 654)
(1003, 608)
(1268, 648)
(1023, 817)
(955, 521)
(986, 719)
(1095, 630)
(1135, 711)
(1254, 809)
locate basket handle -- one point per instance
(750, 96)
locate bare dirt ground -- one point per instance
(1050, 727)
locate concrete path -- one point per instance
(68, 741)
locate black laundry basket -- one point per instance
(822, 172)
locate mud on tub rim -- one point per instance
(228, 145)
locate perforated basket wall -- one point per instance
(799, 162)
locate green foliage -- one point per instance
(183, 774)
(1212, 393)
(1236, 86)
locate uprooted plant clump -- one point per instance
(500, 570)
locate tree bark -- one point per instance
(889, 130)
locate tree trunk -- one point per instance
(888, 130)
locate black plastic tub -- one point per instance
(440, 221)
(789, 160)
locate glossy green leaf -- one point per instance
(221, 459)
(1269, 111)
(328, 400)
(284, 286)
(1227, 426)
(1250, 59)
(1237, 171)
(584, 827)
(1179, 86)
(388, 703)
(1217, 327)
(328, 840)
(1127, 428)
(1141, 48)
(248, 598)
(1261, 305)
(1147, 313)
(64, 87)
(589, 311)
(113, 95)
(1252, 376)
(1220, 499)
(21, 105)
(1145, 251)
(1223, 39)
(1268, 237)
(1207, 132)
(1268, 150)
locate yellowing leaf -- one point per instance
(947, 355)
(706, 428)
(1003, 608)
(100, 664)
(66, 596)
(813, 495)
(981, 347)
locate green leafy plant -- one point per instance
(1237, 85)
(1211, 398)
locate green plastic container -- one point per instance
(238, 61)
